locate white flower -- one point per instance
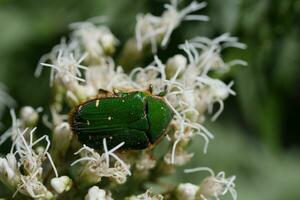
(65, 65)
(181, 96)
(31, 160)
(9, 172)
(214, 90)
(61, 184)
(145, 162)
(151, 30)
(31, 186)
(175, 64)
(30, 116)
(205, 54)
(106, 76)
(181, 158)
(186, 191)
(97, 41)
(96, 166)
(24, 174)
(95, 193)
(214, 186)
(61, 134)
(31, 163)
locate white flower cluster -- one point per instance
(22, 169)
(154, 30)
(189, 90)
(83, 65)
(97, 166)
(96, 40)
(212, 186)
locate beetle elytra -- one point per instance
(137, 118)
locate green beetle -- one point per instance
(137, 118)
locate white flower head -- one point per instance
(61, 133)
(145, 162)
(106, 76)
(31, 160)
(22, 169)
(215, 185)
(205, 54)
(97, 166)
(96, 40)
(9, 172)
(95, 193)
(31, 163)
(64, 63)
(31, 186)
(177, 157)
(153, 30)
(214, 90)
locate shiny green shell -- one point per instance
(137, 118)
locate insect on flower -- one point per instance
(138, 118)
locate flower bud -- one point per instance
(29, 116)
(108, 43)
(95, 193)
(9, 173)
(186, 191)
(61, 184)
(62, 136)
(215, 186)
(174, 65)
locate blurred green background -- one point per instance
(258, 134)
